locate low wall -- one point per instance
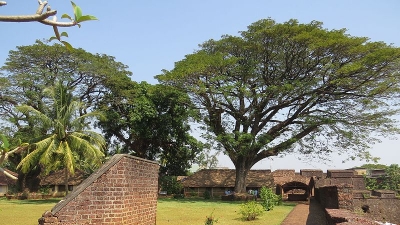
(343, 204)
(379, 209)
(123, 191)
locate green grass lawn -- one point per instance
(188, 212)
(169, 211)
(24, 212)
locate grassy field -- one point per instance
(188, 212)
(24, 212)
(169, 212)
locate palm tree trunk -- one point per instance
(66, 181)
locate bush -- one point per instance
(170, 185)
(250, 210)
(179, 196)
(207, 195)
(210, 220)
(193, 193)
(269, 199)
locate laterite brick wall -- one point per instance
(123, 191)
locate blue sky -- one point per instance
(149, 36)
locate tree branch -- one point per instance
(39, 16)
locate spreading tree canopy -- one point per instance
(283, 87)
(29, 70)
(151, 122)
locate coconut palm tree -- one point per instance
(67, 143)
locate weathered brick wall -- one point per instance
(336, 197)
(328, 197)
(123, 191)
(284, 173)
(381, 206)
(311, 173)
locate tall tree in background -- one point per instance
(30, 69)
(151, 122)
(67, 143)
(287, 87)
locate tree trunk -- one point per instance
(242, 169)
(66, 181)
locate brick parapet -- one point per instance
(123, 191)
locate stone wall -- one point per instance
(379, 205)
(338, 177)
(311, 173)
(123, 191)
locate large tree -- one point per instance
(152, 122)
(283, 87)
(30, 69)
(68, 143)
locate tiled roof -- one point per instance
(58, 178)
(227, 177)
(4, 180)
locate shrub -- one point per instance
(207, 195)
(179, 196)
(210, 220)
(193, 193)
(250, 210)
(269, 199)
(170, 184)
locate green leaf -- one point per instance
(67, 45)
(86, 18)
(66, 16)
(5, 145)
(77, 11)
(53, 38)
(64, 34)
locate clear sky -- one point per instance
(149, 36)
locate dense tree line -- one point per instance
(149, 121)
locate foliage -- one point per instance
(373, 166)
(207, 194)
(211, 220)
(250, 210)
(170, 184)
(207, 159)
(392, 179)
(389, 181)
(280, 88)
(43, 15)
(44, 190)
(151, 122)
(67, 144)
(268, 198)
(29, 70)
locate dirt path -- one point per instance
(304, 214)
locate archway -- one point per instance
(295, 191)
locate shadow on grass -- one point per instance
(198, 199)
(33, 202)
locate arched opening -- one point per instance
(295, 191)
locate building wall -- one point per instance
(3, 189)
(123, 191)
